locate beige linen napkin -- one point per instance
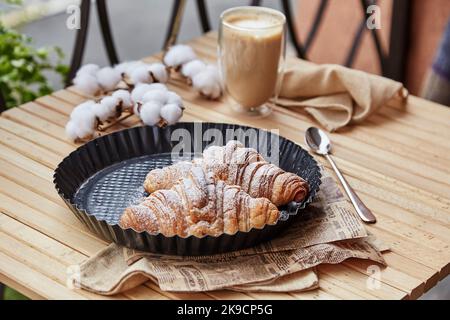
(334, 95)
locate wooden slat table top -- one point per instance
(398, 161)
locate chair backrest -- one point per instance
(82, 32)
(392, 62)
(80, 41)
(178, 9)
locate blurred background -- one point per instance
(412, 44)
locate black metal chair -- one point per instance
(82, 32)
(80, 41)
(176, 17)
(392, 63)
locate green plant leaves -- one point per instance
(23, 67)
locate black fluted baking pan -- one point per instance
(101, 178)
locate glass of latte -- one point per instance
(252, 50)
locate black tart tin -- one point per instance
(101, 178)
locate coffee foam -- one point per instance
(252, 23)
(255, 26)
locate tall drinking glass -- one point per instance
(252, 50)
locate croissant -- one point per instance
(199, 205)
(240, 166)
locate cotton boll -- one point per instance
(124, 97)
(87, 84)
(173, 98)
(71, 130)
(157, 87)
(207, 83)
(109, 105)
(89, 68)
(159, 96)
(179, 55)
(193, 68)
(159, 72)
(202, 79)
(122, 67)
(102, 112)
(126, 66)
(84, 130)
(106, 108)
(150, 113)
(110, 101)
(213, 71)
(85, 121)
(212, 91)
(139, 91)
(132, 66)
(141, 74)
(81, 109)
(171, 113)
(108, 78)
(75, 130)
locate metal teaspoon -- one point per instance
(319, 142)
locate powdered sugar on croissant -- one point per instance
(240, 166)
(199, 205)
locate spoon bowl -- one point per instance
(318, 141)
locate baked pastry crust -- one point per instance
(199, 205)
(240, 166)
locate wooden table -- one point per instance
(398, 162)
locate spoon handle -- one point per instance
(365, 214)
